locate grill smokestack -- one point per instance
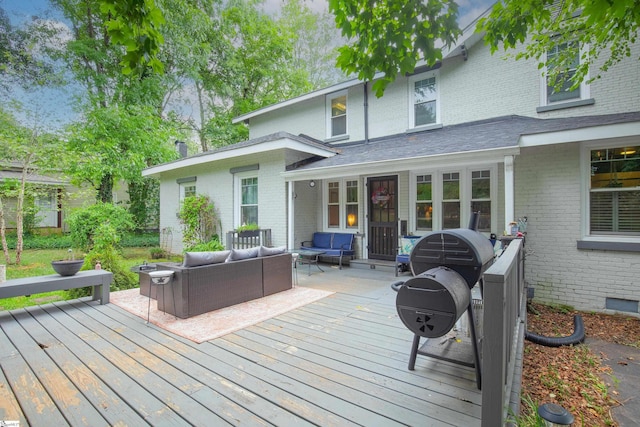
(181, 146)
(474, 221)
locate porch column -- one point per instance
(291, 214)
(509, 192)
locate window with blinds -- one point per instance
(615, 191)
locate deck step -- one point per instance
(372, 264)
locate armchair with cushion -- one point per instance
(403, 255)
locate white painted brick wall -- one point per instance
(218, 182)
(482, 87)
(548, 193)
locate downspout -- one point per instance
(291, 195)
(366, 112)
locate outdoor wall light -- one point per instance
(312, 183)
(555, 415)
(351, 219)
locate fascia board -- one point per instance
(619, 130)
(218, 156)
(320, 92)
(449, 160)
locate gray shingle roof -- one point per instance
(495, 133)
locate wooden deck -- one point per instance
(337, 362)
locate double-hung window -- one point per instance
(424, 108)
(249, 200)
(446, 199)
(187, 187)
(614, 194)
(342, 201)
(337, 114)
(451, 200)
(565, 59)
(424, 203)
(481, 198)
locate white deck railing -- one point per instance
(504, 325)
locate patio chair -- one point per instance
(404, 252)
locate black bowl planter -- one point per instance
(67, 267)
(249, 233)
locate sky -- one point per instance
(54, 107)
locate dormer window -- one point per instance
(337, 114)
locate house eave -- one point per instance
(467, 158)
(222, 155)
(600, 132)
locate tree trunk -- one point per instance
(20, 212)
(105, 191)
(3, 235)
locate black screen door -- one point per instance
(383, 217)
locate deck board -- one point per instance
(339, 361)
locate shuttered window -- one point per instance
(615, 191)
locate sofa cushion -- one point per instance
(194, 259)
(264, 251)
(238, 254)
(321, 240)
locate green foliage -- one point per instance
(392, 36)
(211, 246)
(198, 218)
(104, 251)
(85, 222)
(248, 227)
(144, 203)
(599, 27)
(135, 24)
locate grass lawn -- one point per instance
(37, 262)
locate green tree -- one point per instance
(390, 37)
(115, 143)
(600, 28)
(30, 149)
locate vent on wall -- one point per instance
(630, 306)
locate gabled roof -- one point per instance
(477, 142)
(279, 140)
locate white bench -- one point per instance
(99, 279)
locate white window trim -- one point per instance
(465, 196)
(183, 187)
(411, 93)
(237, 194)
(585, 88)
(329, 124)
(343, 227)
(585, 187)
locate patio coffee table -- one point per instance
(309, 257)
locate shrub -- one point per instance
(211, 246)
(84, 222)
(104, 251)
(198, 217)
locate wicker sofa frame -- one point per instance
(210, 287)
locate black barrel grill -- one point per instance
(446, 265)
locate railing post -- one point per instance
(502, 333)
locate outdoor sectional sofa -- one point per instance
(207, 281)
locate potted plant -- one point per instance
(248, 230)
(69, 266)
